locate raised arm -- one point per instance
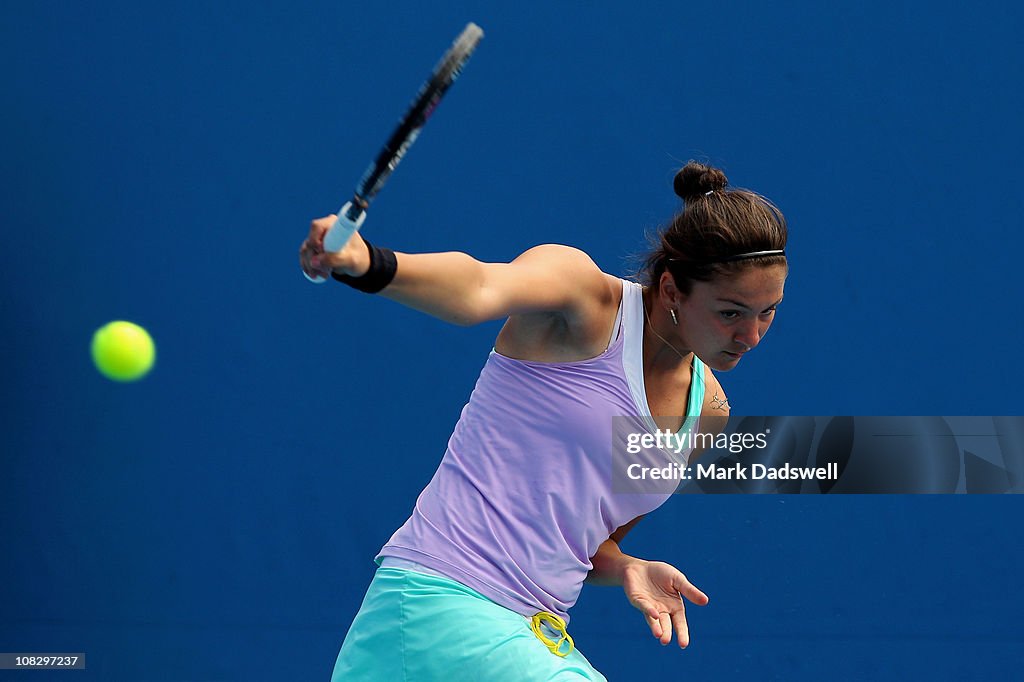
(460, 289)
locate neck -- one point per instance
(660, 346)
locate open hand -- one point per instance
(657, 590)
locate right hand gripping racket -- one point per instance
(353, 213)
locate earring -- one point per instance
(675, 320)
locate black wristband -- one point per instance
(383, 266)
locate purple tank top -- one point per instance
(523, 496)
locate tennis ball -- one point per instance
(123, 351)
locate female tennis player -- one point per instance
(477, 584)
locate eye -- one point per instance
(769, 312)
(729, 314)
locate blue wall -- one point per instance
(216, 521)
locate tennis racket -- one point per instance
(352, 214)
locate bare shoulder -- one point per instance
(577, 323)
(564, 265)
(554, 278)
(716, 402)
(557, 252)
(714, 413)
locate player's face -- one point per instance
(722, 319)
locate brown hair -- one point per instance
(714, 226)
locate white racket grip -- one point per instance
(339, 233)
(344, 227)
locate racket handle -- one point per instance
(350, 218)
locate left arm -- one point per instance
(654, 587)
(610, 562)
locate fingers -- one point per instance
(311, 252)
(686, 589)
(660, 623)
(682, 629)
(667, 611)
(310, 260)
(320, 227)
(658, 619)
(666, 628)
(651, 615)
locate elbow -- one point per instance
(465, 313)
(465, 320)
(479, 305)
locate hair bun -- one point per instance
(695, 180)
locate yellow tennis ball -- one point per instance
(123, 351)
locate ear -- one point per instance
(668, 292)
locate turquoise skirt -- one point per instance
(419, 627)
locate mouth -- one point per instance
(735, 356)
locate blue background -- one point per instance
(217, 520)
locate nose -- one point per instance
(748, 335)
